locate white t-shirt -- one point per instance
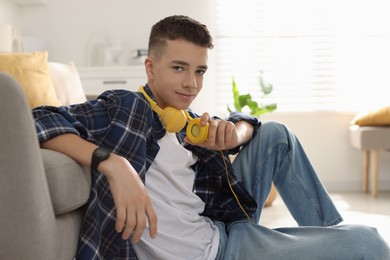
(182, 232)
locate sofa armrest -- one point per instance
(27, 220)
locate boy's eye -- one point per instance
(178, 68)
(201, 72)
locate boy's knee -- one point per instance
(368, 243)
(274, 129)
(273, 125)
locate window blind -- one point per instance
(319, 55)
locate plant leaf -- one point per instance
(236, 95)
(253, 105)
(244, 100)
(264, 110)
(229, 110)
(266, 87)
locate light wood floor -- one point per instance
(356, 208)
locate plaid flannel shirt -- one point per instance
(123, 122)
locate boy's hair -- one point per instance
(178, 27)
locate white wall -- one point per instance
(8, 12)
(68, 26)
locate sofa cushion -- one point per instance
(67, 83)
(370, 137)
(32, 72)
(378, 117)
(69, 183)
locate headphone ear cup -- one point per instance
(196, 133)
(174, 120)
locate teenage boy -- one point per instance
(204, 207)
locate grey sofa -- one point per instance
(42, 193)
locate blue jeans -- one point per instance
(275, 155)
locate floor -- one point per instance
(356, 208)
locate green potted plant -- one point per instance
(245, 100)
(256, 109)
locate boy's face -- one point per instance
(176, 76)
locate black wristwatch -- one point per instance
(100, 154)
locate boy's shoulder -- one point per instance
(129, 102)
(121, 96)
(119, 93)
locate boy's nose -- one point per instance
(190, 81)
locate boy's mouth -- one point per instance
(186, 97)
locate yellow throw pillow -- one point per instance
(32, 72)
(379, 117)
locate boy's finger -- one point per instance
(120, 219)
(204, 119)
(129, 225)
(152, 220)
(140, 226)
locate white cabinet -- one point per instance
(96, 80)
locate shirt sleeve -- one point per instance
(88, 120)
(238, 116)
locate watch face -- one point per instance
(101, 153)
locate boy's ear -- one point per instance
(149, 67)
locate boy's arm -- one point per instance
(244, 131)
(133, 205)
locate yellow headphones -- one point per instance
(174, 120)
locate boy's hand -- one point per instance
(224, 134)
(133, 205)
